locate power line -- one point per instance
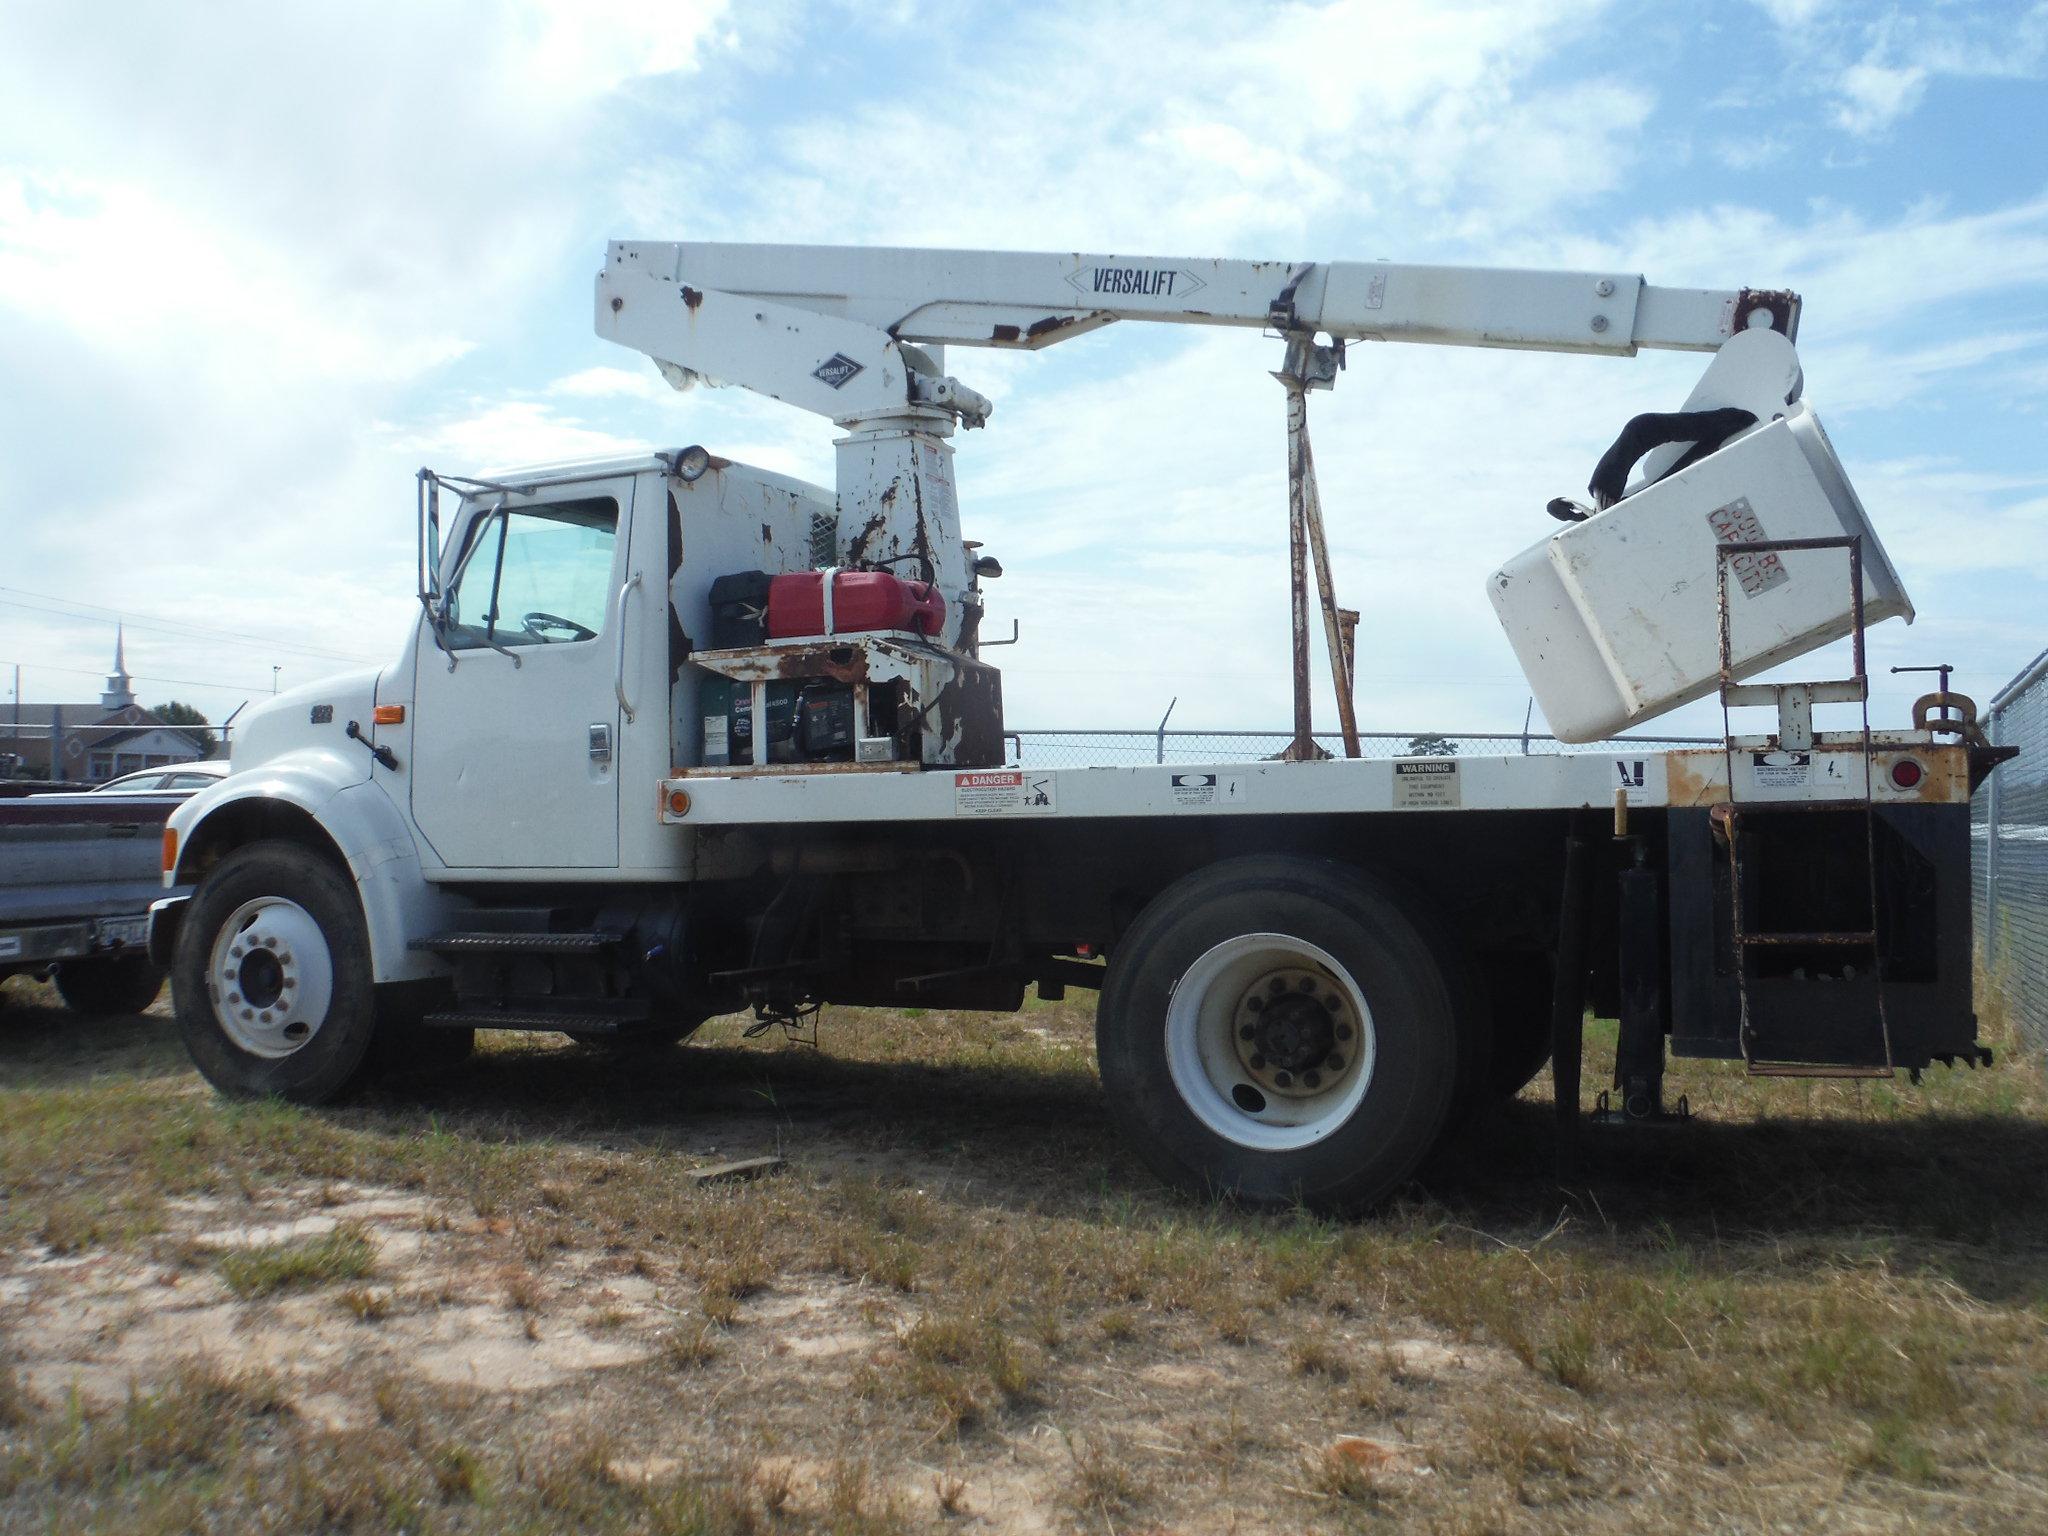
(144, 677)
(100, 614)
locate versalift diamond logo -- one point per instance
(836, 370)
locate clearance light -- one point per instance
(679, 802)
(170, 849)
(389, 714)
(1905, 773)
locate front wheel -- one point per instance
(272, 978)
(126, 985)
(1278, 1029)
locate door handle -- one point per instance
(600, 743)
(619, 668)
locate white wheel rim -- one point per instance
(1269, 1102)
(270, 977)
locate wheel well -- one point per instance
(249, 821)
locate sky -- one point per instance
(259, 263)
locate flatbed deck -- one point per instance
(1695, 777)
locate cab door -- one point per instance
(515, 746)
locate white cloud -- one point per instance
(1872, 96)
(264, 264)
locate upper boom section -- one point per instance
(1028, 300)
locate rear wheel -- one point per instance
(1278, 1029)
(272, 976)
(125, 985)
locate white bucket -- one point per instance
(1615, 619)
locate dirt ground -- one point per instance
(496, 1300)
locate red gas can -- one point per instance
(861, 601)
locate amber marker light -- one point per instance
(679, 802)
(389, 714)
(170, 849)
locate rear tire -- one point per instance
(272, 976)
(1277, 1029)
(125, 985)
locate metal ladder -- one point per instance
(1794, 703)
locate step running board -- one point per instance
(517, 943)
(1816, 1069)
(510, 1018)
(1846, 940)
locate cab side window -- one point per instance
(535, 575)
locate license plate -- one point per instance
(124, 930)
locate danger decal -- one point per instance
(1005, 792)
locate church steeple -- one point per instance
(120, 693)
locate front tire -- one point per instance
(272, 978)
(1278, 1029)
(127, 985)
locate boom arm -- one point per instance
(856, 334)
(845, 295)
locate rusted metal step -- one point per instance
(1815, 1069)
(516, 943)
(1866, 939)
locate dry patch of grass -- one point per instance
(963, 1300)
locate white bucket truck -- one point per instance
(673, 737)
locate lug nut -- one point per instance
(1254, 1004)
(1343, 1031)
(1332, 1001)
(1335, 1063)
(1284, 1079)
(1276, 986)
(1308, 983)
(1311, 1079)
(1258, 1062)
(1245, 1032)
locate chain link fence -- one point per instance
(2010, 818)
(1125, 749)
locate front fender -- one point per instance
(321, 798)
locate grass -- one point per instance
(346, 1253)
(1823, 1305)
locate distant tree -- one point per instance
(192, 723)
(1432, 746)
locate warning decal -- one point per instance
(1207, 788)
(1736, 523)
(1781, 770)
(1004, 792)
(1429, 782)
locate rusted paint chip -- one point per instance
(692, 297)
